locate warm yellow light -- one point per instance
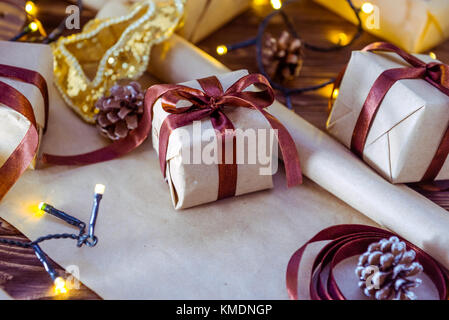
(367, 7)
(222, 50)
(30, 7)
(99, 188)
(260, 2)
(276, 4)
(33, 26)
(342, 38)
(335, 93)
(60, 286)
(433, 55)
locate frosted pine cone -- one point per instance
(389, 265)
(121, 111)
(283, 57)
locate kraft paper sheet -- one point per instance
(414, 25)
(408, 127)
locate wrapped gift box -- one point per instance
(414, 25)
(192, 183)
(408, 126)
(13, 126)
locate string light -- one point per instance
(30, 7)
(33, 26)
(342, 38)
(367, 7)
(82, 237)
(433, 55)
(60, 286)
(335, 93)
(222, 50)
(276, 4)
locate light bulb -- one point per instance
(367, 7)
(60, 285)
(30, 7)
(33, 26)
(335, 93)
(433, 55)
(276, 4)
(99, 188)
(222, 50)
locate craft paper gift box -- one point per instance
(14, 126)
(192, 183)
(414, 25)
(409, 125)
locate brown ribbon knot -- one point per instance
(437, 74)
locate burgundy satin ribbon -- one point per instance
(437, 74)
(347, 241)
(207, 103)
(24, 153)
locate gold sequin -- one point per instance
(107, 50)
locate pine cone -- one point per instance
(121, 111)
(389, 265)
(283, 57)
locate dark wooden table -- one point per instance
(21, 274)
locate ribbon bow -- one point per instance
(437, 74)
(207, 103)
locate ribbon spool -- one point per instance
(347, 241)
(12, 18)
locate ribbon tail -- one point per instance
(288, 151)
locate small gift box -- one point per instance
(215, 140)
(414, 25)
(25, 70)
(392, 111)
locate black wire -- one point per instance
(258, 41)
(55, 34)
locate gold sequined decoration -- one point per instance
(109, 50)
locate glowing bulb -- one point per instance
(33, 26)
(276, 4)
(42, 206)
(433, 55)
(99, 188)
(367, 7)
(342, 38)
(335, 93)
(222, 50)
(60, 286)
(30, 8)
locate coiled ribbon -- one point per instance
(347, 241)
(25, 152)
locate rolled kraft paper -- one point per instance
(414, 25)
(202, 17)
(328, 163)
